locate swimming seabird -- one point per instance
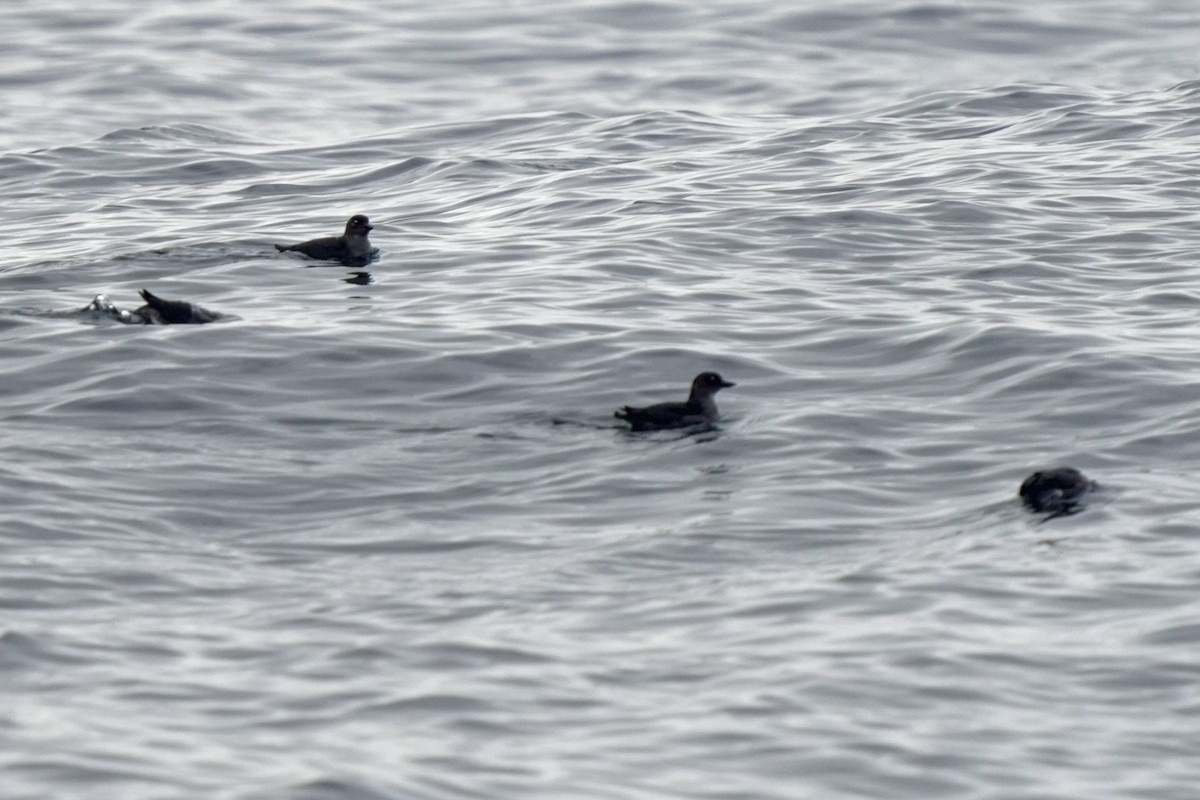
(700, 407)
(351, 248)
(1057, 491)
(157, 311)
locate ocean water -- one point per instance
(379, 536)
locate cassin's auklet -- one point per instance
(351, 248)
(699, 408)
(157, 311)
(1055, 491)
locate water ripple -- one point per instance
(380, 536)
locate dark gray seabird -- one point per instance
(351, 248)
(699, 408)
(157, 311)
(1055, 491)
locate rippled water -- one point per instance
(379, 536)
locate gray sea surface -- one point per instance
(378, 535)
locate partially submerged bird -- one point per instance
(351, 248)
(157, 311)
(699, 408)
(1055, 491)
